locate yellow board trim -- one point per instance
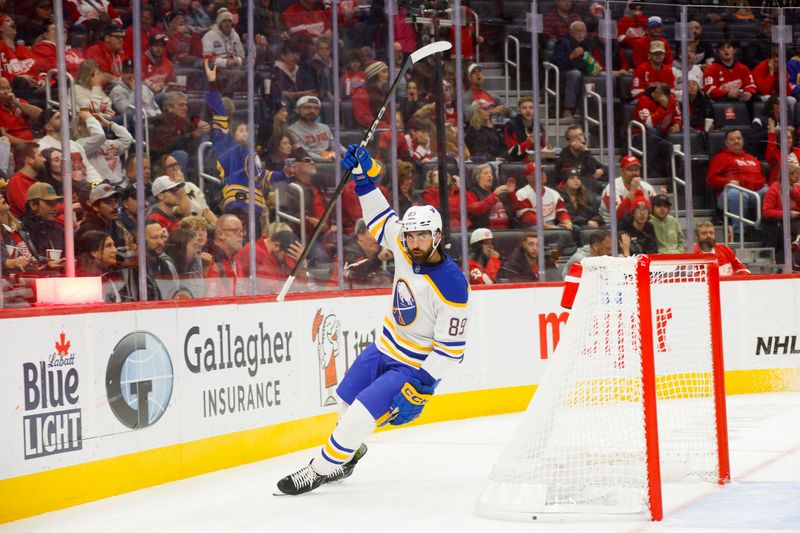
(25, 496)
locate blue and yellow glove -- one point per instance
(365, 169)
(409, 402)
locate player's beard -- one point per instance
(421, 256)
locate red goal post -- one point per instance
(633, 396)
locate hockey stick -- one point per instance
(415, 57)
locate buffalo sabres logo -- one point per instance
(404, 306)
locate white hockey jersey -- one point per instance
(427, 325)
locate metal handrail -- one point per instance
(677, 152)
(507, 62)
(555, 93)
(743, 220)
(50, 103)
(145, 126)
(286, 216)
(589, 95)
(201, 174)
(635, 151)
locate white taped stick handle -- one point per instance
(286, 286)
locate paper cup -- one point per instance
(589, 87)
(53, 254)
(181, 80)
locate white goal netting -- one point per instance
(581, 447)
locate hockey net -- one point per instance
(643, 337)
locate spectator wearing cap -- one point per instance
(305, 17)
(643, 47)
(651, 72)
(16, 115)
(576, 156)
(108, 53)
(519, 133)
(44, 52)
(557, 21)
(30, 164)
(701, 112)
(575, 55)
(277, 252)
(39, 220)
(637, 225)
(631, 30)
(16, 60)
(291, 81)
(669, 234)
(102, 214)
(625, 187)
(693, 69)
(580, 202)
(728, 79)
(122, 94)
(229, 139)
(765, 75)
(735, 166)
(658, 110)
(475, 92)
(222, 45)
(483, 140)
(89, 11)
(489, 206)
(310, 134)
(363, 260)
(147, 30)
(164, 190)
(555, 214)
(129, 209)
(484, 260)
(157, 70)
(314, 203)
(367, 100)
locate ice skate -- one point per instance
(302, 481)
(347, 468)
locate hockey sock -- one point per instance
(353, 428)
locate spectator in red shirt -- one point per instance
(641, 48)
(773, 151)
(486, 204)
(29, 164)
(729, 265)
(184, 47)
(430, 195)
(148, 30)
(44, 53)
(17, 62)
(632, 29)
(658, 110)
(90, 12)
(765, 75)
(277, 253)
(108, 53)
(157, 71)
(368, 100)
(732, 165)
(223, 277)
(555, 214)
(16, 115)
(772, 210)
(305, 17)
(728, 79)
(416, 144)
(484, 260)
(653, 71)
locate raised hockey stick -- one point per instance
(415, 57)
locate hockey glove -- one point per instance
(408, 403)
(364, 167)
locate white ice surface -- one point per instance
(427, 479)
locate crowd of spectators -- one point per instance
(194, 83)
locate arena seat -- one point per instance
(731, 114)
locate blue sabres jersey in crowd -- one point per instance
(427, 324)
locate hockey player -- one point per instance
(422, 338)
